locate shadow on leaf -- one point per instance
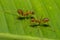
(21, 18)
(44, 25)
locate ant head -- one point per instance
(45, 20)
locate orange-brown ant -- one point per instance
(27, 12)
(40, 22)
(24, 15)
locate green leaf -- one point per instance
(13, 29)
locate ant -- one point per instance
(39, 22)
(24, 15)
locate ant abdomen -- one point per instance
(20, 11)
